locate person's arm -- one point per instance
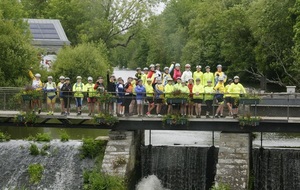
(31, 74)
(171, 68)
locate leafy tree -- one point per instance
(35, 8)
(87, 59)
(16, 52)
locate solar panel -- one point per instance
(43, 31)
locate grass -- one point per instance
(40, 137)
(64, 136)
(34, 150)
(35, 173)
(4, 137)
(94, 180)
(92, 148)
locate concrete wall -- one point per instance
(120, 153)
(234, 160)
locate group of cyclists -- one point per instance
(152, 86)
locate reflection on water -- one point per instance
(24, 132)
(201, 138)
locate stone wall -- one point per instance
(234, 160)
(120, 153)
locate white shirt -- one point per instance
(186, 75)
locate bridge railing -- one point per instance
(266, 104)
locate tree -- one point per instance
(87, 59)
(16, 52)
(35, 8)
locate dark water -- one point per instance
(276, 169)
(24, 132)
(187, 168)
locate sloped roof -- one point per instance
(48, 34)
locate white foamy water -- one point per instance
(150, 183)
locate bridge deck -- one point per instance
(267, 124)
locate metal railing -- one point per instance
(270, 104)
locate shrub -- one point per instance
(34, 150)
(221, 187)
(64, 136)
(45, 137)
(4, 137)
(92, 148)
(94, 180)
(35, 173)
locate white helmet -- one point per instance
(221, 78)
(166, 68)
(90, 78)
(50, 77)
(219, 66)
(152, 65)
(38, 75)
(61, 77)
(198, 66)
(236, 77)
(187, 65)
(177, 65)
(78, 77)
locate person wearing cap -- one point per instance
(59, 93)
(111, 89)
(177, 86)
(168, 90)
(50, 90)
(149, 96)
(91, 95)
(177, 72)
(38, 86)
(158, 74)
(78, 89)
(220, 90)
(128, 96)
(198, 91)
(219, 73)
(151, 73)
(159, 95)
(236, 89)
(190, 104)
(198, 73)
(100, 90)
(187, 74)
(166, 74)
(184, 90)
(144, 75)
(138, 73)
(140, 94)
(67, 94)
(120, 92)
(208, 76)
(227, 96)
(208, 97)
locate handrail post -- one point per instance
(288, 108)
(4, 101)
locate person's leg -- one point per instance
(62, 105)
(53, 104)
(131, 106)
(48, 100)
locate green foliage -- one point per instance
(4, 137)
(105, 119)
(64, 136)
(174, 119)
(248, 120)
(34, 150)
(35, 173)
(94, 180)
(44, 137)
(92, 148)
(119, 161)
(85, 59)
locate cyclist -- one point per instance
(236, 89)
(227, 96)
(78, 89)
(59, 93)
(67, 93)
(187, 74)
(208, 97)
(208, 76)
(198, 91)
(198, 73)
(219, 73)
(38, 86)
(220, 90)
(91, 95)
(50, 90)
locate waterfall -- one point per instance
(63, 167)
(180, 167)
(276, 169)
(150, 182)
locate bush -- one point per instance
(44, 137)
(92, 148)
(221, 187)
(94, 180)
(35, 173)
(34, 150)
(64, 136)
(4, 137)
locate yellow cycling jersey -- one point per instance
(149, 90)
(209, 90)
(226, 91)
(144, 78)
(197, 75)
(78, 89)
(220, 88)
(236, 89)
(198, 88)
(168, 90)
(207, 77)
(91, 92)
